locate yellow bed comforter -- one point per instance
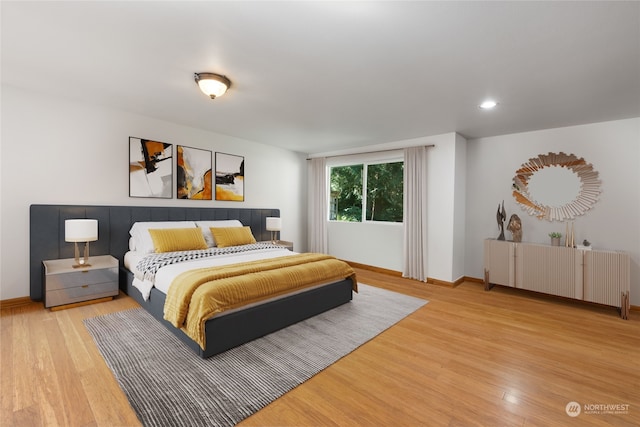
(196, 295)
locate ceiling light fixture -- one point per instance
(213, 85)
(488, 105)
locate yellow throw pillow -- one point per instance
(177, 239)
(232, 236)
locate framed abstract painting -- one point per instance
(229, 177)
(193, 173)
(150, 168)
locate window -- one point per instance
(346, 193)
(384, 192)
(378, 186)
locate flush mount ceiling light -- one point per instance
(213, 85)
(488, 104)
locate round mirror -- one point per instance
(556, 186)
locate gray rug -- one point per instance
(168, 385)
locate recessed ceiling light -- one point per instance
(488, 105)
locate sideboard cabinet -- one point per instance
(602, 277)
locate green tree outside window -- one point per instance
(384, 192)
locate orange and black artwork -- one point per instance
(229, 177)
(194, 173)
(150, 168)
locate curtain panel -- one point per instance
(415, 214)
(318, 205)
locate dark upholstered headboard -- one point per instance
(46, 229)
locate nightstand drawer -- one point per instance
(80, 293)
(80, 278)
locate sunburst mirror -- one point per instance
(556, 186)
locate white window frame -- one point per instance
(352, 161)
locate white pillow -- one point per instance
(140, 233)
(206, 225)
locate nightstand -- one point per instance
(283, 243)
(65, 286)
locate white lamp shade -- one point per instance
(274, 223)
(80, 230)
(212, 84)
(212, 87)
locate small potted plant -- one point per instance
(555, 238)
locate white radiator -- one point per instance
(555, 270)
(607, 276)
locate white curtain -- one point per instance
(415, 214)
(318, 205)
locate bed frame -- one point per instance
(46, 241)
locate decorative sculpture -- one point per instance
(515, 227)
(501, 215)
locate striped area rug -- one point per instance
(168, 385)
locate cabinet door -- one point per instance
(606, 276)
(499, 262)
(555, 270)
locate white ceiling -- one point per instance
(321, 76)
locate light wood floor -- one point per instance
(468, 358)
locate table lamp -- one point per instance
(274, 224)
(81, 230)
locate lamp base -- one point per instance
(85, 259)
(81, 265)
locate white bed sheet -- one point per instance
(165, 275)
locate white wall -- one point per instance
(375, 244)
(613, 148)
(446, 231)
(380, 245)
(60, 152)
(459, 209)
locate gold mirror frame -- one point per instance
(586, 198)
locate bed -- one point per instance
(222, 332)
